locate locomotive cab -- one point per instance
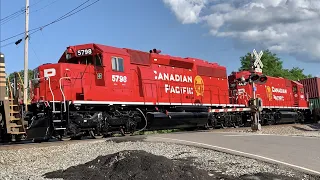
(298, 94)
(81, 70)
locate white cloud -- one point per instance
(285, 26)
(187, 11)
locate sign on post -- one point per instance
(258, 63)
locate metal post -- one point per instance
(26, 43)
(255, 126)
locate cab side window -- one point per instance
(117, 64)
(295, 89)
(301, 90)
(98, 60)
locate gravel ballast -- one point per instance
(36, 162)
(306, 130)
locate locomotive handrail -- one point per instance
(64, 97)
(10, 94)
(53, 105)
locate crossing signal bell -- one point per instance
(260, 79)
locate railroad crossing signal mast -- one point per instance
(256, 103)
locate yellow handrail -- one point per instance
(22, 85)
(10, 92)
(20, 80)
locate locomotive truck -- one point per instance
(97, 89)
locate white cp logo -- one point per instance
(49, 72)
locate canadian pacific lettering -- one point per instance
(178, 89)
(175, 77)
(278, 98)
(279, 90)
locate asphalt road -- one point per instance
(299, 152)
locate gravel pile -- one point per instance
(35, 163)
(132, 165)
(308, 130)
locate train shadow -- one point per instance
(313, 127)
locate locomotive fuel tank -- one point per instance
(286, 116)
(172, 120)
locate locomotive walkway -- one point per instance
(302, 153)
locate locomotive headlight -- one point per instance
(69, 53)
(243, 79)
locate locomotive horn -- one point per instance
(156, 51)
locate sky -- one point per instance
(214, 30)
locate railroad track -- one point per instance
(53, 142)
(280, 129)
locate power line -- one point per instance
(35, 3)
(44, 6)
(32, 31)
(66, 15)
(12, 16)
(19, 13)
(15, 13)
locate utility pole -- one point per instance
(26, 43)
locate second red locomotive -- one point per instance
(96, 89)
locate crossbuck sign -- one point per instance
(258, 63)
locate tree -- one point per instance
(272, 66)
(30, 76)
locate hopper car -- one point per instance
(97, 89)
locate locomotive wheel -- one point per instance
(59, 137)
(223, 126)
(122, 132)
(40, 140)
(76, 137)
(92, 135)
(208, 126)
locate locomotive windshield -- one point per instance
(87, 60)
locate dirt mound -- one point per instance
(132, 165)
(140, 165)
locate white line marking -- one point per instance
(235, 135)
(244, 153)
(279, 135)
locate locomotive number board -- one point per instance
(84, 52)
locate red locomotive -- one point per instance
(97, 89)
(275, 92)
(97, 74)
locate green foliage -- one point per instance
(272, 66)
(12, 76)
(30, 75)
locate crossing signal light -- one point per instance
(263, 79)
(258, 79)
(254, 77)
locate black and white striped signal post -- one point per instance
(256, 103)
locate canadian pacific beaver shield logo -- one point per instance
(199, 85)
(269, 93)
